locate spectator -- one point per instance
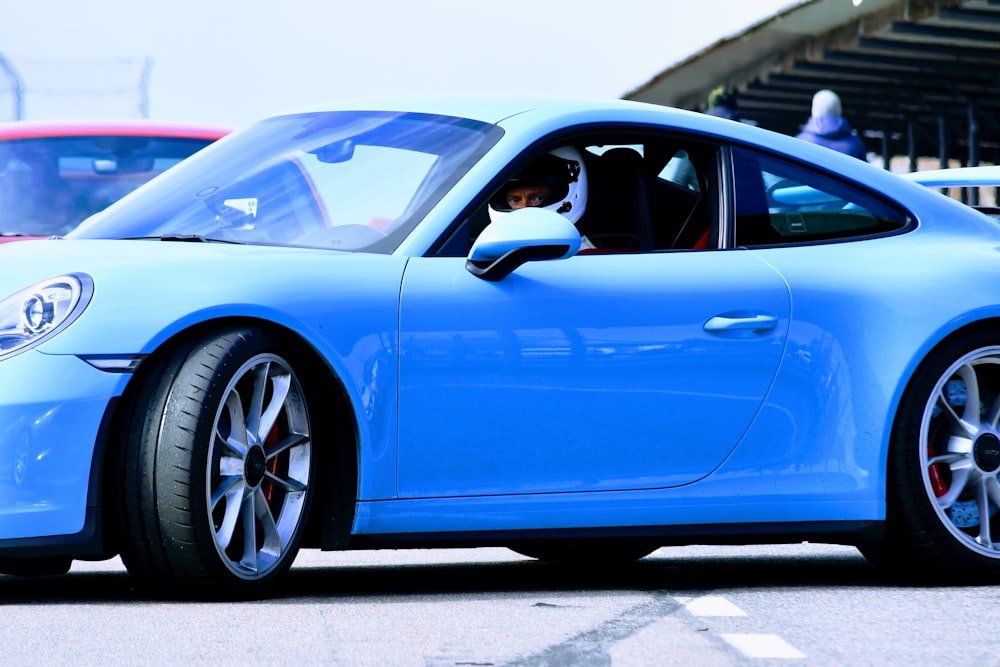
(722, 103)
(827, 127)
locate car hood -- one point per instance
(147, 291)
(33, 259)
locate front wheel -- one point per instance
(218, 468)
(943, 499)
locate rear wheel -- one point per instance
(944, 494)
(218, 469)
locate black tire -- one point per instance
(944, 461)
(211, 509)
(584, 552)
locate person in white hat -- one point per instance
(827, 127)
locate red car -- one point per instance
(53, 175)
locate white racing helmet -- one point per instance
(563, 171)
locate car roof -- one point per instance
(485, 108)
(513, 112)
(27, 129)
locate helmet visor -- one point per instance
(546, 181)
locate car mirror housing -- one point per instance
(524, 235)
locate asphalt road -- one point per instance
(705, 606)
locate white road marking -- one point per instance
(751, 645)
(711, 605)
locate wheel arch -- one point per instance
(331, 520)
(906, 384)
(921, 360)
(919, 543)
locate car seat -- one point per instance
(617, 216)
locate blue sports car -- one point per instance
(579, 330)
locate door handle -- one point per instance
(755, 323)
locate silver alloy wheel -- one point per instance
(258, 466)
(960, 452)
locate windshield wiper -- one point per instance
(182, 238)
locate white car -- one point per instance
(963, 177)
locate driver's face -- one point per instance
(528, 195)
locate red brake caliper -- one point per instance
(937, 479)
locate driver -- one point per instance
(556, 181)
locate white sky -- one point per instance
(232, 61)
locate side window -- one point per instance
(683, 213)
(626, 192)
(649, 195)
(779, 203)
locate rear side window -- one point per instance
(782, 203)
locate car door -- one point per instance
(594, 373)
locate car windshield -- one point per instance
(338, 180)
(48, 185)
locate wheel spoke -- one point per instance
(280, 385)
(991, 501)
(968, 423)
(959, 478)
(992, 415)
(272, 539)
(967, 430)
(233, 495)
(293, 440)
(951, 457)
(258, 522)
(288, 484)
(236, 439)
(249, 559)
(260, 373)
(227, 482)
(230, 466)
(970, 420)
(262, 418)
(983, 503)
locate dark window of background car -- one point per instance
(779, 202)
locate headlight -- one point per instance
(30, 316)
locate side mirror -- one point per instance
(524, 235)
